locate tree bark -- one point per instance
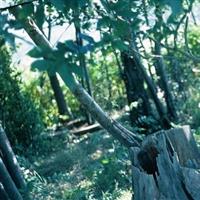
(162, 171)
(86, 83)
(8, 183)
(152, 88)
(161, 72)
(134, 83)
(10, 161)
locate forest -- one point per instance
(99, 100)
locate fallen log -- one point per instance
(86, 129)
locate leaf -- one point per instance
(59, 4)
(120, 45)
(40, 15)
(103, 23)
(15, 24)
(66, 75)
(72, 46)
(105, 161)
(26, 11)
(176, 6)
(41, 65)
(76, 69)
(35, 53)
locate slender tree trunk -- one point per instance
(161, 72)
(10, 161)
(63, 108)
(160, 66)
(134, 83)
(109, 83)
(59, 96)
(86, 83)
(152, 88)
(8, 184)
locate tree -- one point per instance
(158, 161)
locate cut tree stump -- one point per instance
(166, 167)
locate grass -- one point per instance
(90, 167)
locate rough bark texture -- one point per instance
(151, 85)
(10, 161)
(134, 83)
(161, 171)
(8, 183)
(161, 71)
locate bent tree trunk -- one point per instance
(165, 167)
(158, 172)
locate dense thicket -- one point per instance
(17, 112)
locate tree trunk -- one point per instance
(134, 83)
(3, 194)
(165, 167)
(8, 183)
(152, 88)
(10, 161)
(114, 128)
(59, 97)
(157, 172)
(161, 72)
(85, 79)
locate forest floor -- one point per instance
(88, 167)
(62, 166)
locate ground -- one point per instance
(88, 167)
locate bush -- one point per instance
(17, 112)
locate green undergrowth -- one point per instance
(90, 167)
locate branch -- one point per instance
(124, 136)
(17, 5)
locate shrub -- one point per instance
(17, 112)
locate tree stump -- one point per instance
(166, 166)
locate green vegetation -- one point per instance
(133, 62)
(87, 167)
(18, 113)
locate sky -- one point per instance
(59, 33)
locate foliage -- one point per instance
(42, 95)
(108, 87)
(92, 167)
(18, 113)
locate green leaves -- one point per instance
(73, 47)
(41, 65)
(35, 53)
(176, 6)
